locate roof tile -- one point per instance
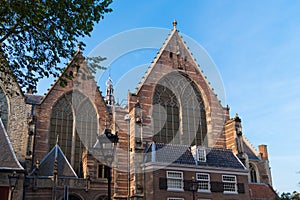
(261, 191)
(182, 154)
(8, 159)
(46, 166)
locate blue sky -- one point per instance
(255, 46)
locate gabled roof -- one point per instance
(251, 155)
(172, 44)
(182, 154)
(8, 159)
(75, 58)
(250, 150)
(261, 191)
(33, 99)
(46, 166)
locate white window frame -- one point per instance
(231, 182)
(203, 181)
(201, 154)
(175, 198)
(169, 177)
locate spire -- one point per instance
(79, 45)
(174, 24)
(109, 98)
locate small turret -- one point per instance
(109, 98)
(239, 134)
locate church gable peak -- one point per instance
(174, 55)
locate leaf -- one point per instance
(38, 36)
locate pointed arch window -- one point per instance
(166, 115)
(178, 111)
(193, 115)
(253, 174)
(74, 122)
(3, 108)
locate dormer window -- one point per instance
(201, 154)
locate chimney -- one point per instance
(263, 151)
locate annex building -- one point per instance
(176, 140)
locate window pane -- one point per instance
(229, 178)
(62, 126)
(229, 187)
(174, 183)
(203, 181)
(174, 180)
(229, 183)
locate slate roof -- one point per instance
(46, 166)
(8, 159)
(33, 99)
(182, 154)
(250, 153)
(261, 191)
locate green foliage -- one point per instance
(36, 35)
(288, 196)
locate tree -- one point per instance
(288, 196)
(36, 35)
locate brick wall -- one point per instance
(152, 181)
(182, 64)
(43, 111)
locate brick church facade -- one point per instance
(174, 135)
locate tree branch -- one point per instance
(12, 30)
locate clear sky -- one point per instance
(256, 48)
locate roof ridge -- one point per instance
(188, 146)
(6, 137)
(159, 53)
(73, 59)
(249, 144)
(153, 63)
(56, 149)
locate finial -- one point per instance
(227, 107)
(237, 118)
(57, 136)
(174, 24)
(79, 46)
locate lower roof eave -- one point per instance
(159, 165)
(8, 169)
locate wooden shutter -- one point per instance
(216, 187)
(241, 188)
(187, 185)
(163, 183)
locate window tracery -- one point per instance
(178, 111)
(74, 121)
(253, 175)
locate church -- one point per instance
(174, 139)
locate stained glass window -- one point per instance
(165, 115)
(73, 112)
(178, 111)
